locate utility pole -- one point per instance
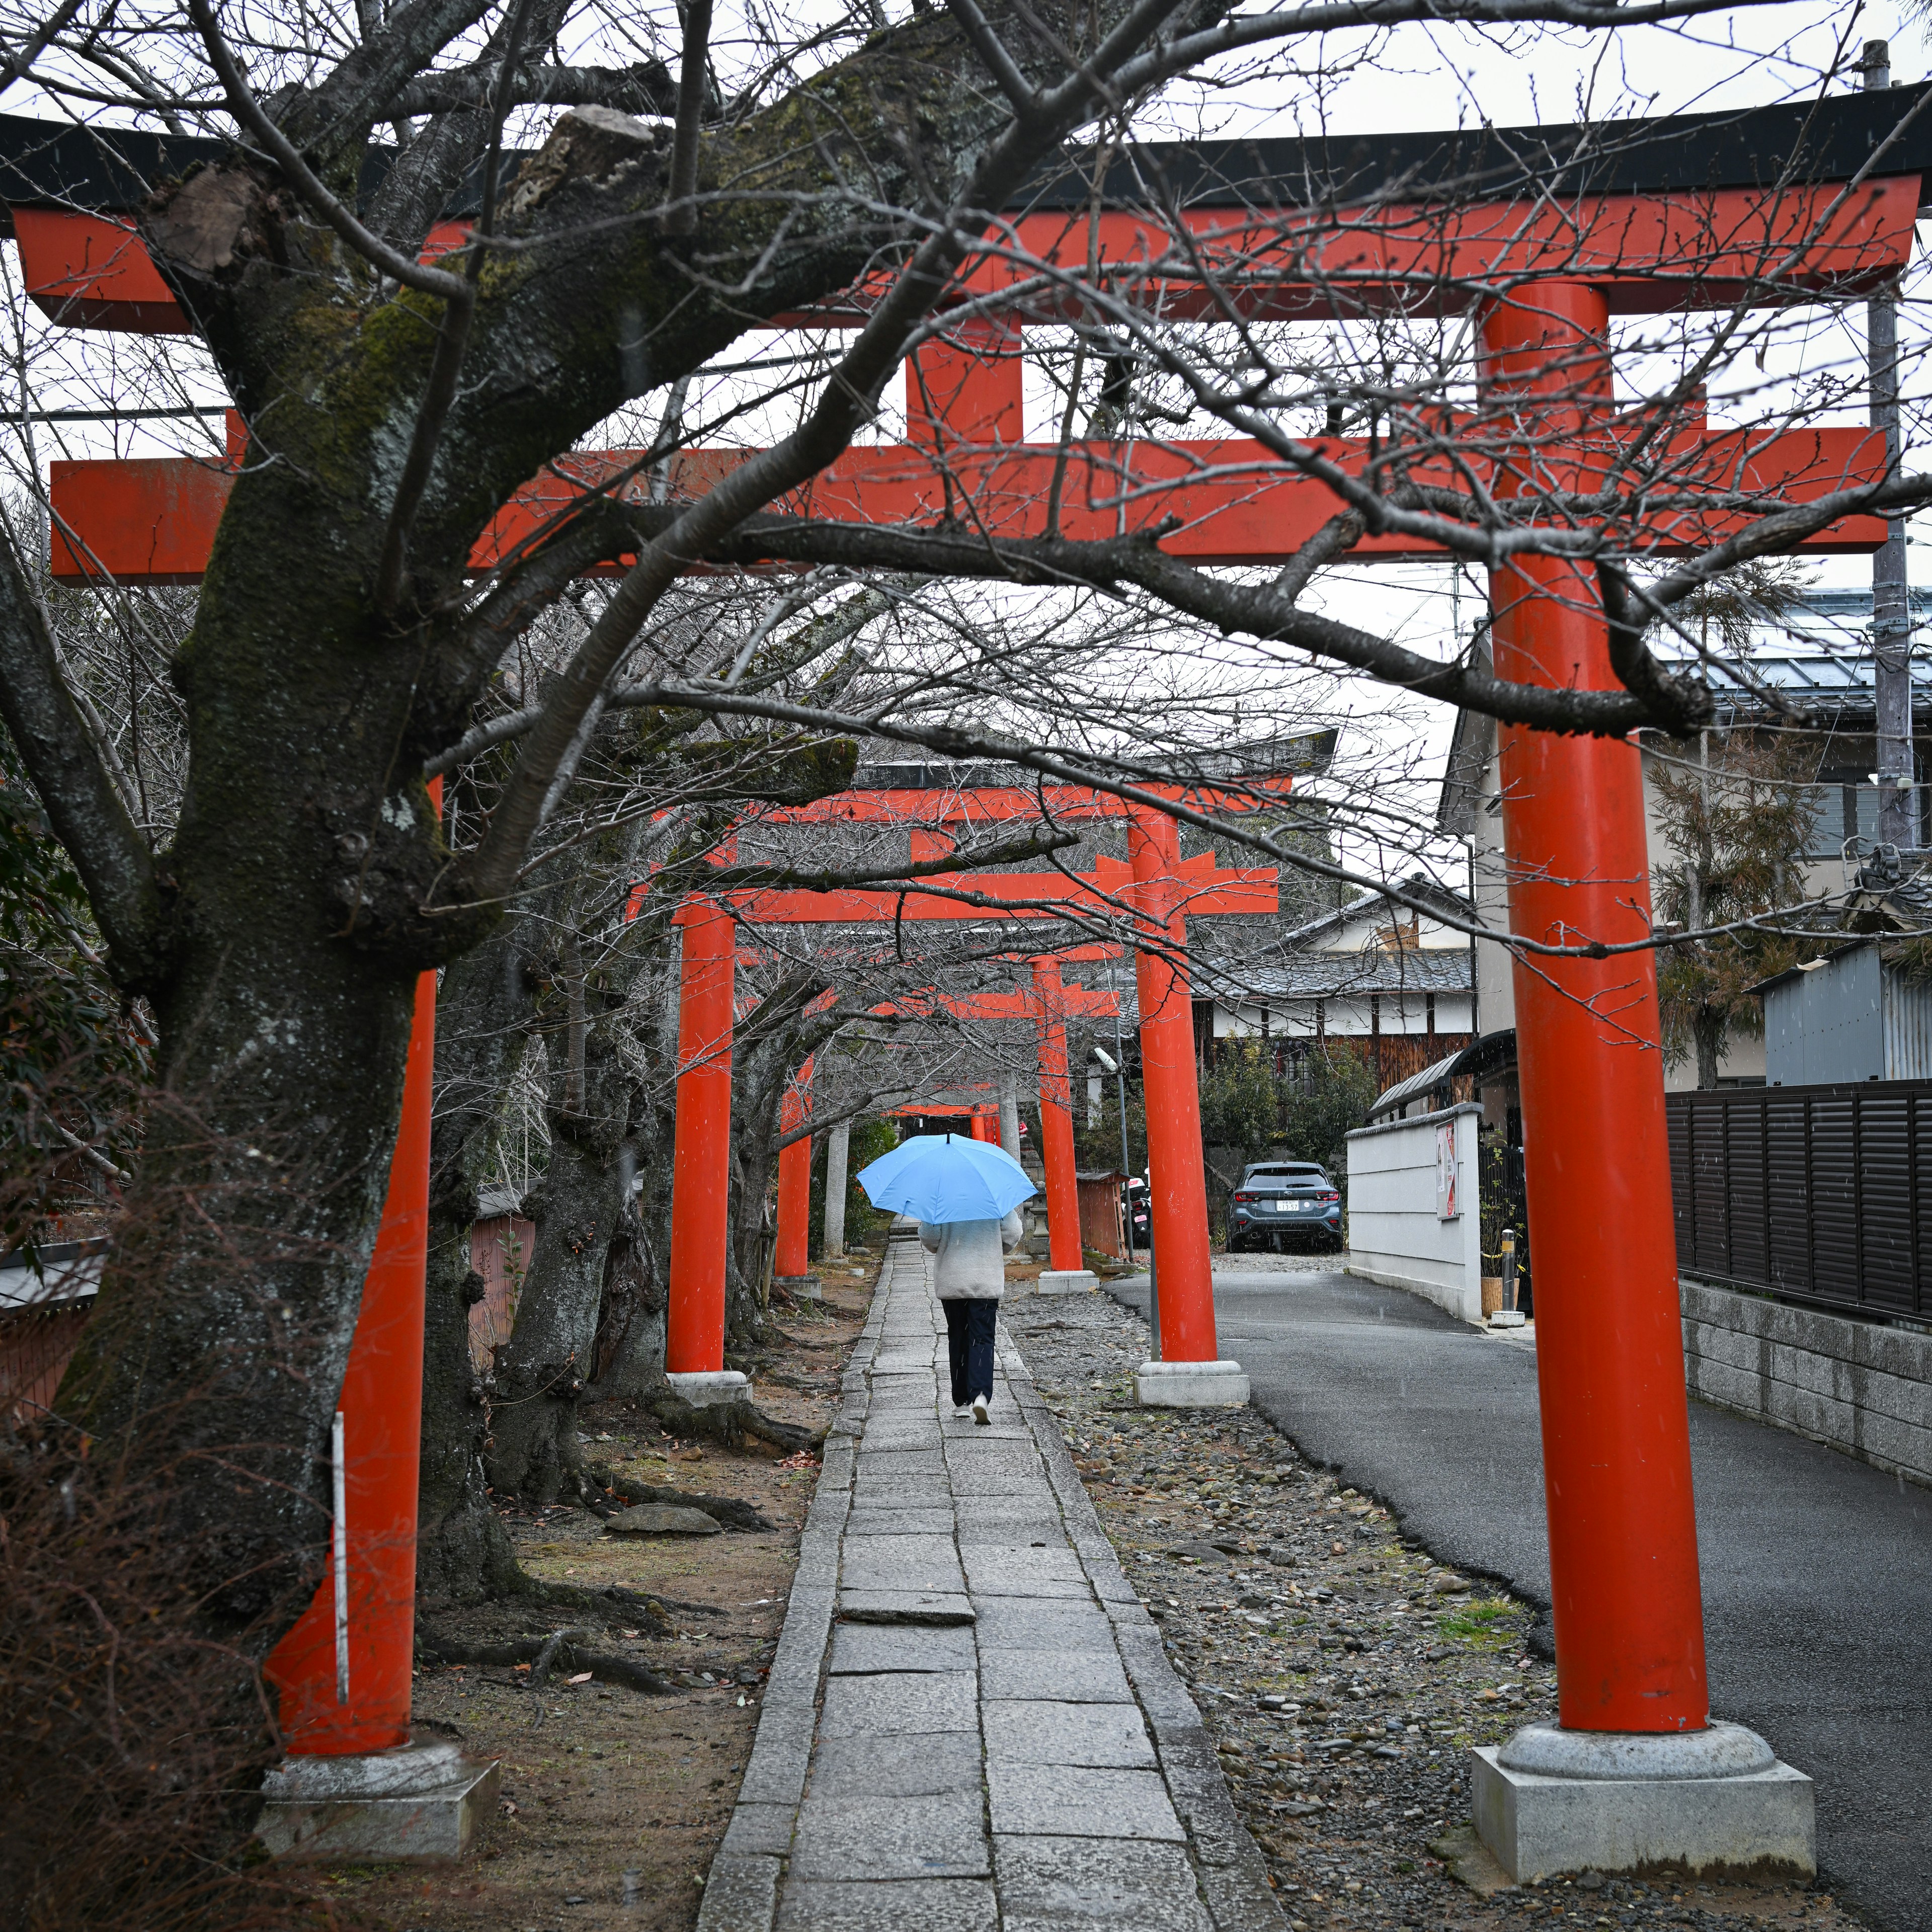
(1891, 616)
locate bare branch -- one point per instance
(645, 88)
(681, 196)
(89, 815)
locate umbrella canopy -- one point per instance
(947, 1178)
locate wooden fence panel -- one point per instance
(1818, 1194)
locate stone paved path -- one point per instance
(969, 1722)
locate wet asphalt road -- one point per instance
(1817, 1570)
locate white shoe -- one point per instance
(960, 1409)
(979, 1414)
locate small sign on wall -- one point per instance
(1447, 1207)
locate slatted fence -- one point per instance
(1820, 1194)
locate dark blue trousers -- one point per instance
(969, 1347)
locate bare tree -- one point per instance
(342, 646)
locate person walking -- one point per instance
(969, 1275)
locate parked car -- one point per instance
(1279, 1197)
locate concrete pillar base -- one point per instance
(1191, 1385)
(1551, 1801)
(422, 1802)
(1507, 1318)
(800, 1287)
(1068, 1281)
(707, 1388)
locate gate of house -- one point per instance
(1822, 1195)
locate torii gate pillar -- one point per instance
(1066, 1272)
(356, 1783)
(1666, 1785)
(791, 1261)
(1188, 1375)
(700, 1185)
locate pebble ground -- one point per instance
(1343, 1672)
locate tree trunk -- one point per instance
(630, 1354)
(543, 1367)
(223, 1325)
(1709, 1028)
(484, 1008)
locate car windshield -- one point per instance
(1285, 1174)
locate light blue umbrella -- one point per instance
(947, 1178)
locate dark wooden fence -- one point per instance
(1818, 1194)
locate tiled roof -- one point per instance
(1316, 976)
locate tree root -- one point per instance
(560, 1650)
(731, 1425)
(611, 1606)
(613, 1487)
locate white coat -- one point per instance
(971, 1263)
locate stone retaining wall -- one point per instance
(1852, 1385)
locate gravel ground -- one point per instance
(1343, 1672)
(1326, 1263)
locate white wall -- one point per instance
(1395, 1235)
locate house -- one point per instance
(1816, 662)
(1386, 980)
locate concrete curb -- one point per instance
(1228, 1866)
(741, 1890)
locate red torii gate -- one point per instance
(1158, 888)
(1623, 1555)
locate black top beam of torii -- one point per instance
(108, 170)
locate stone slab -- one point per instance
(873, 1519)
(906, 1606)
(903, 1562)
(1053, 1883)
(1068, 1800)
(420, 1802)
(782, 1749)
(1539, 1827)
(917, 1764)
(1084, 1677)
(1038, 1731)
(907, 1701)
(759, 1831)
(887, 1905)
(1190, 1385)
(740, 1895)
(707, 1388)
(878, 1463)
(867, 1649)
(940, 1835)
(1004, 1570)
(1015, 1623)
(1069, 1281)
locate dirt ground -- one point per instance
(614, 1801)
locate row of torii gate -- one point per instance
(1680, 221)
(1155, 889)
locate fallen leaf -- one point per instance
(582, 1677)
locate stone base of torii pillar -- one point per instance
(1068, 1281)
(1191, 1385)
(1553, 1800)
(710, 1388)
